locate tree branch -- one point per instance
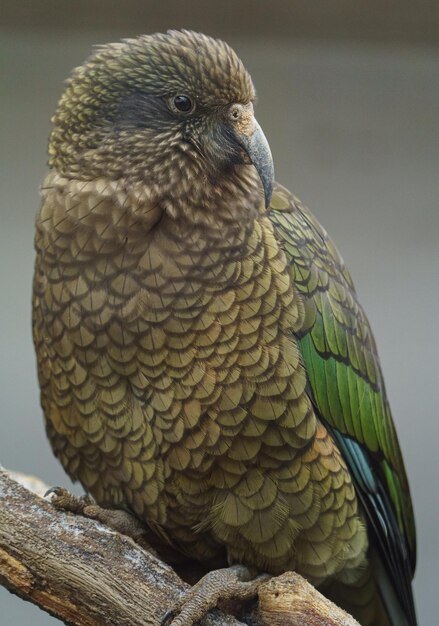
(87, 575)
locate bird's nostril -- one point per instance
(236, 112)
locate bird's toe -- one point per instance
(231, 583)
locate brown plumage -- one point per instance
(168, 323)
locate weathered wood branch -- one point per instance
(87, 575)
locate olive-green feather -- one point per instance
(339, 351)
(204, 361)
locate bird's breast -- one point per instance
(220, 330)
(180, 344)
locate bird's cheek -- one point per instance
(222, 151)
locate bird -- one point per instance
(203, 359)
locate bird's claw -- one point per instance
(63, 500)
(119, 520)
(51, 490)
(232, 583)
(168, 616)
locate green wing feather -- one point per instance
(340, 356)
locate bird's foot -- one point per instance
(64, 500)
(116, 519)
(231, 583)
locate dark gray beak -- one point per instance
(256, 146)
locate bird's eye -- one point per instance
(183, 104)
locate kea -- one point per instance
(203, 359)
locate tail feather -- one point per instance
(371, 599)
(391, 603)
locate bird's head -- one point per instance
(168, 110)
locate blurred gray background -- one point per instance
(349, 100)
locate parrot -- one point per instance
(203, 359)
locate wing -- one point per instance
(346, 382)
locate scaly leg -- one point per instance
(116, 519)
(231, 583)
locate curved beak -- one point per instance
(259, 153)
(250, 137)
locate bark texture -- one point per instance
(87, 575)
